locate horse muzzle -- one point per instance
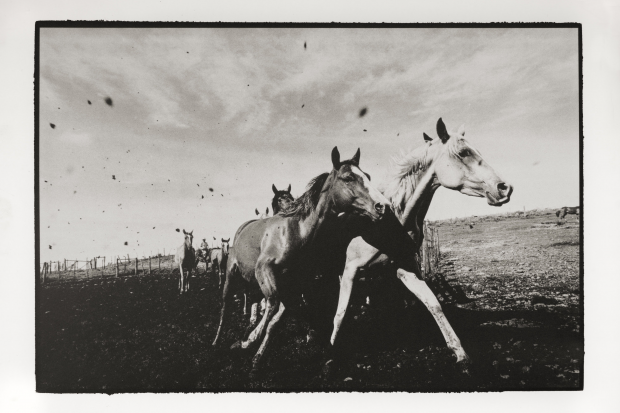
(501, 194)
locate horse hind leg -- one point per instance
(275, 320)
(189, 275)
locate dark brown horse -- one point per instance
(281, 199)
(282, 254)
(562, 212)
(186, 260)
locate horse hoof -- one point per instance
(465, 365)
(254, 373)
(329, 369)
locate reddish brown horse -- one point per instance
(282, 254)
(186, 260)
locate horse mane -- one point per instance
(407, 168)
(305, 204)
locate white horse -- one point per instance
(451, 162)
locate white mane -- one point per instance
(407, 168)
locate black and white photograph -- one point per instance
(308, 207)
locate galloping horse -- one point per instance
(451, 162)
(283, 253)
(219, 259)
(562, 212)
(186, 259)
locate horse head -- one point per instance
(460, 166)
(189, 237)
(281, 199)
(350, 189)
(262, 216)
(225, 245)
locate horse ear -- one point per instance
(335, 158)
(289, 188)
(462, 130)
(356, 157)
(426, 137)
(255, 210)
(184, 231)
(228, 240)
(442, 131)
(222, 239)
(191, 232)
(274, 189)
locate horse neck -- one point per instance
(187, 244)
(421, 189)
(310, 226)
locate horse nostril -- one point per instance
(380, 208)
(504, 189)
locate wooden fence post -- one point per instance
(74, 268)
(149, 265)
(116, 267)
(159, 263)
(136, 267)
(43, 272)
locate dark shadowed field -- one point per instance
(522, 331)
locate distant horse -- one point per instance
(219, 258)
(186, 259)
(562, 212)
(263, 215)
(281, 199)
(283, 253)
(451, 162)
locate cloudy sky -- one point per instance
(237, 110)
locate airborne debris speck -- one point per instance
(363, 112)
(365, 130)
(89, 102)
(108, 100)
(304, 45)
(211, 189)
(52, 125)
(113, 176)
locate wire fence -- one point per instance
(116, 266)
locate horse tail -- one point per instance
(232, 272)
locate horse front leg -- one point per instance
(180, 278)
(426, 296)
(346, 287)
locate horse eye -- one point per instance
(348, 177)
(464, 153)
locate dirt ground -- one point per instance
(522, 330)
